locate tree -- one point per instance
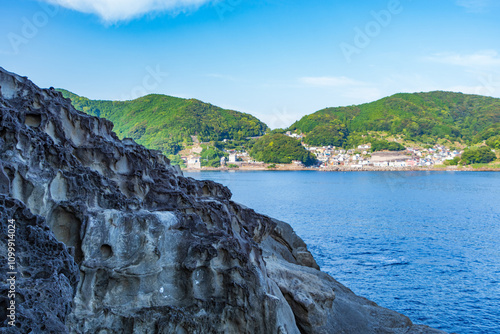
(384, 145)
(482, 155)
(279, 148)
(494, 142)
(210, 156)
(334, 134)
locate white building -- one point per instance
(194, 162)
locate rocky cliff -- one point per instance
(113, 239)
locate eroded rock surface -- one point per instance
(158, 252)
(46, 274)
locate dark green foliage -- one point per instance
(356, 138)
(422, 117)
(481, 155)
(494, 142)
(384, 145)
(176, 160)
(452, 162)
(211, 155)
(278, 130)
(238, 145)
(167, 123)
(279, 148)
(333, 133)
(491, 131)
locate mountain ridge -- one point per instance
(420, 116)
(414, 116)
(166, 123)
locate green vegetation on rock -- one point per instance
(279, 148)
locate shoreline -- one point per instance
(343, 169)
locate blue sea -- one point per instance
(426, 244)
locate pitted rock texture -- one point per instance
(46, 277)
(158, 252)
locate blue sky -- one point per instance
(275, 59)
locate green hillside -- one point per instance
(278, 148)
(422, 117)
(166, 123)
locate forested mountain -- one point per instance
(164, 122)
(167, 123)
(420, 117)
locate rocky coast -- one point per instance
(111, 238)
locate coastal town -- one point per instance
(362, 157)
(338, 158)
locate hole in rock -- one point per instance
(66, 227)
(106, 251)
(205, 190)
(33, 120)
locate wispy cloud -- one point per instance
(486, 58)
(221, 76)
(330, 81)
(476, 5)
(476, 90)
(122, 10)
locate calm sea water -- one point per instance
(426, 244)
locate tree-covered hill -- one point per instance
(418, 117)
(279, 148)
(165, 123)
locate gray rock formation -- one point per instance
(46, 277)
(157, 252)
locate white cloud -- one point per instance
(486, 58)
(119, 10)
(475, 5)
(331, 81)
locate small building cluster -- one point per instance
(329, 156)
(360, 157)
